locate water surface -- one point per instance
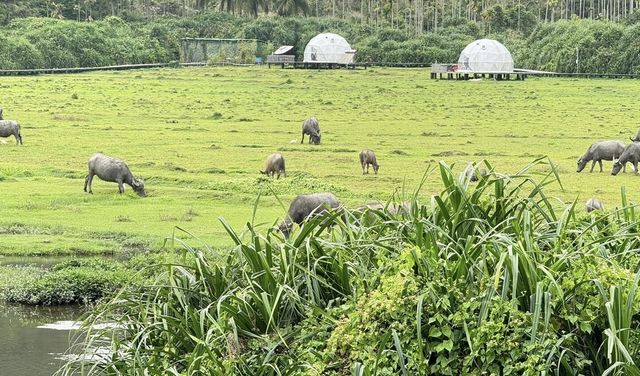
(33, 339)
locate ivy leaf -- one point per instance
(446, 345)
(586, 327)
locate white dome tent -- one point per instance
(328, 48)
(485, 56)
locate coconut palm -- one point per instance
(291, 7)
(253, 6)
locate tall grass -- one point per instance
(486, 277)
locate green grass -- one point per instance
(199, 136)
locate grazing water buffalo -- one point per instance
(114, 170)
(368, 157)
(594, 204)
(607, 150)
(630, 154)
(311, 126)
(275, 164)
(11, 128)
(307, 206)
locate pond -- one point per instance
(33, 339)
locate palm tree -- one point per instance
(252, 6)
(227, 5)
(291, 7)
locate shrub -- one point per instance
(487, 278)
(78, 281)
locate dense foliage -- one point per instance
(599, 47)
(486, 278)
(602, 47)
(79, 281)
(411, 16)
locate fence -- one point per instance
(22, 72)
(215, 50)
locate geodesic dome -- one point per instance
(486, 56)
(328, 48)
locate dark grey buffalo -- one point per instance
(114, 170)
(11, 128)
(631, 154)
(603, 150)
(594, 204)
(368, 157)
(311, 126)
(307, 206)
(275, 165)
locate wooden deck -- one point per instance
(303, 65)
(452, 72)
(498, 76)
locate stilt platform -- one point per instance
(451, 72)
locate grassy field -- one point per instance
(199, 136)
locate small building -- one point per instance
(283, 55)
(328, 48)
(485, 56)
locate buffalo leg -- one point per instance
(87, 182)
(593, 164)
(600, 163)
(120, 187)
(302, 141)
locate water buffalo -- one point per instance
(307, 206)
(607, 150)
(631, 154)
(11, 128)
(471, 172)
(274, 165)
(114, 170)
(311, 126)
(594, 204)
(368, 157)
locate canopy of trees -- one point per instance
(586, 36)
(416, 16)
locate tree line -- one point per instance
(411, 16)
(562, 46)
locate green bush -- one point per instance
(78, 281)
(489, 277)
